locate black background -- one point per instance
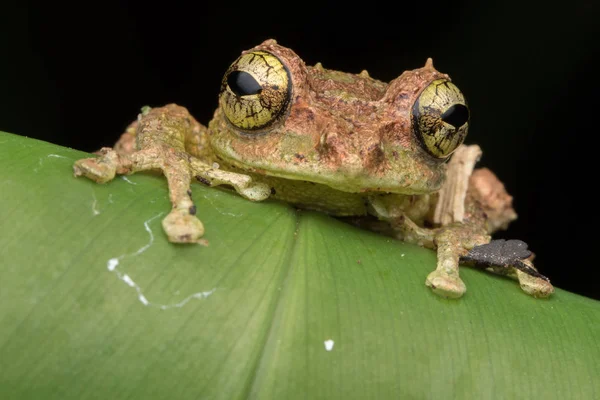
(77, 74)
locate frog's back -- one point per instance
(332, 85)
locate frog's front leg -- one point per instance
(181, 225)
(243, 184)
(160, 144)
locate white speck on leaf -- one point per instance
(41, 160)
(95, 210)
(57, 156)
(329, 345)
(219, 210)
(128, 280)
(126, 179)
(199, 295)
(147, 227)
(143, 299)
(113, 263)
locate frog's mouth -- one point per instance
(403, 172)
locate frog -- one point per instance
(389, 156)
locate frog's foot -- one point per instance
(535, 286)
(452, 241)
(445, 280)
(512, 258)
(182, 227)
(445, 284)
(99, 169)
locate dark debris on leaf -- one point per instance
(498, 252)
(502, 253)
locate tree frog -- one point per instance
(389, 155)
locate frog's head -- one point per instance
(279, 117)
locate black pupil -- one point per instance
(456, 115)
(243, 84)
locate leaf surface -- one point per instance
(282, 304)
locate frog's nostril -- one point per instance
(457, 115)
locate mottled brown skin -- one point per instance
(345, 145)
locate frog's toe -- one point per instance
(92, 169)
(534, 286)
(182, 227)
(446, 285)
(100, 170)
(256, 191)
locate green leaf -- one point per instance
(254, 314)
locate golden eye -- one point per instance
(441, 118)
(255, 91)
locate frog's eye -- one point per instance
(255, 91)
(441, 118)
